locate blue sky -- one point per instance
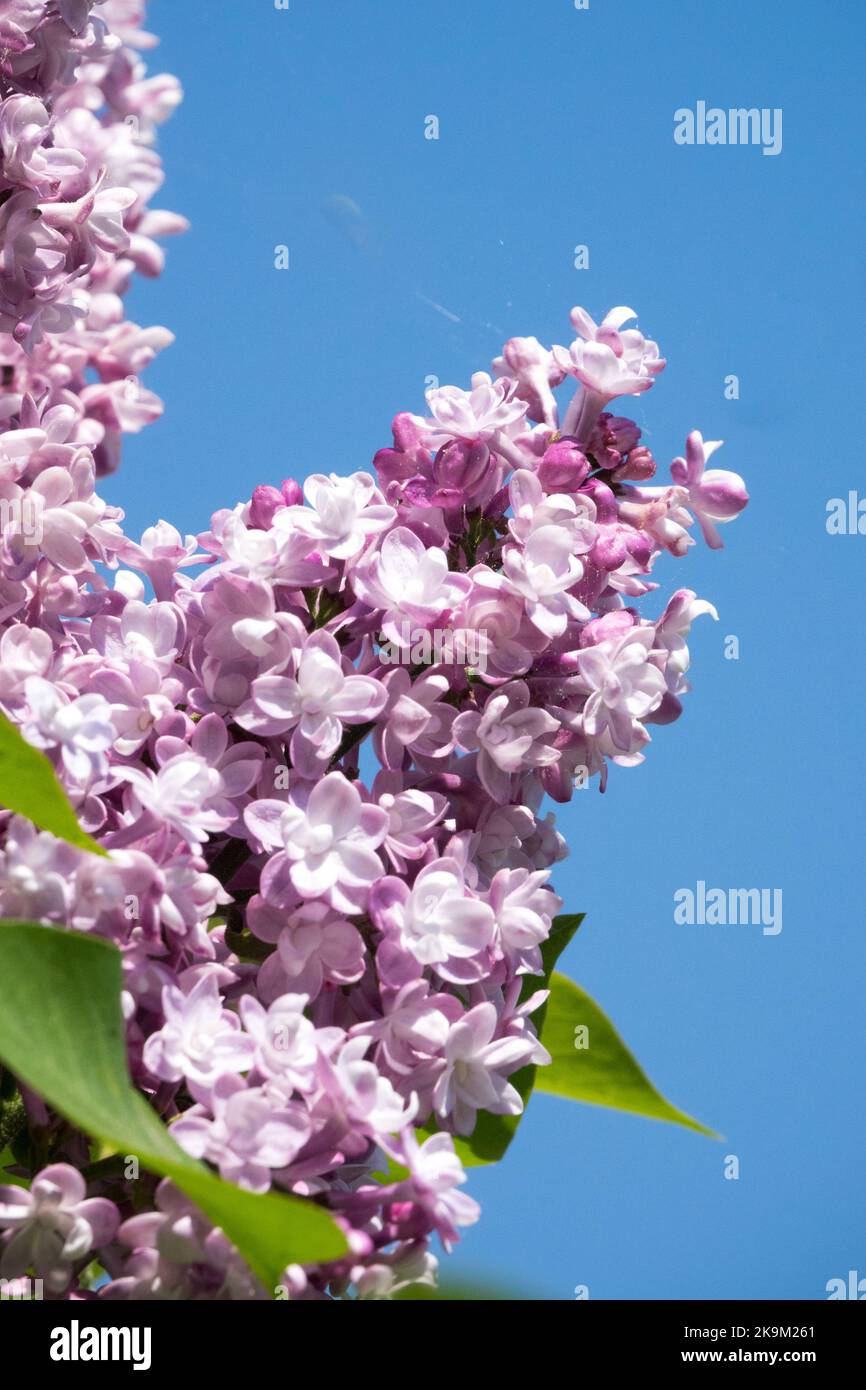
(305, 128)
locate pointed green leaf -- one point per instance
(29, 787)
(61, 1032)
(7, 1179)
(604, 1072)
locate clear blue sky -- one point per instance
(557, 129)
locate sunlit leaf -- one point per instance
(591, 1063)
(62, 1034)
(29, 787)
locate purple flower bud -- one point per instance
(639, 467)
(640, 547)
(667, 712)
(609, 551)
(392, 465)
(419, 492)
(498, 504)
(406, 430)
(265, 501)
(462, 465)
(293, 493)
(609, 625)
(563, 468)
(605, 502)
(624, 433)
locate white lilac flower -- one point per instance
(342, 516)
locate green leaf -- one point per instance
(563, 929)
(13, 1118)
(29, 787)
(7, 1159)
(604, 1072)
(61, 1033)
(493, 1133)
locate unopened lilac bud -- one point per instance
(609, 551)
(639, 467)
(393, 466)
(605, 502)
(265, 501)
(640, 547)
(461, 464)
(609, 625)
(406, 429)
(625, 433)
(419, 492)
(293, 494)
(498, 505)
(564, 467)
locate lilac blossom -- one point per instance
(53, 1227)
(510, 736)
(476, 1069)
(82, 728)
(199, 1039)
(246, 1137)
(328, 847)
(314, 703)
(437, 922)
(715, 495)
(410, 582)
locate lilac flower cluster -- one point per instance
(78, 116)
(328, 873)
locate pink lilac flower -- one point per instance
(81, 728)
(343, 514)
(186, 793)
(410, 582)
(37, 874)
(622, 684)
(476, 1070)
(362, 1096)
(327, 848)
(475, 415)
(314, 945)
(437, 922)
(53, 1227)
(609, 360)
(314, 703)
(286, 1048)
(436, 1174)
(246, 1137)
(714, 496)
(543, 574)
(200, 1039)
(510, 735)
